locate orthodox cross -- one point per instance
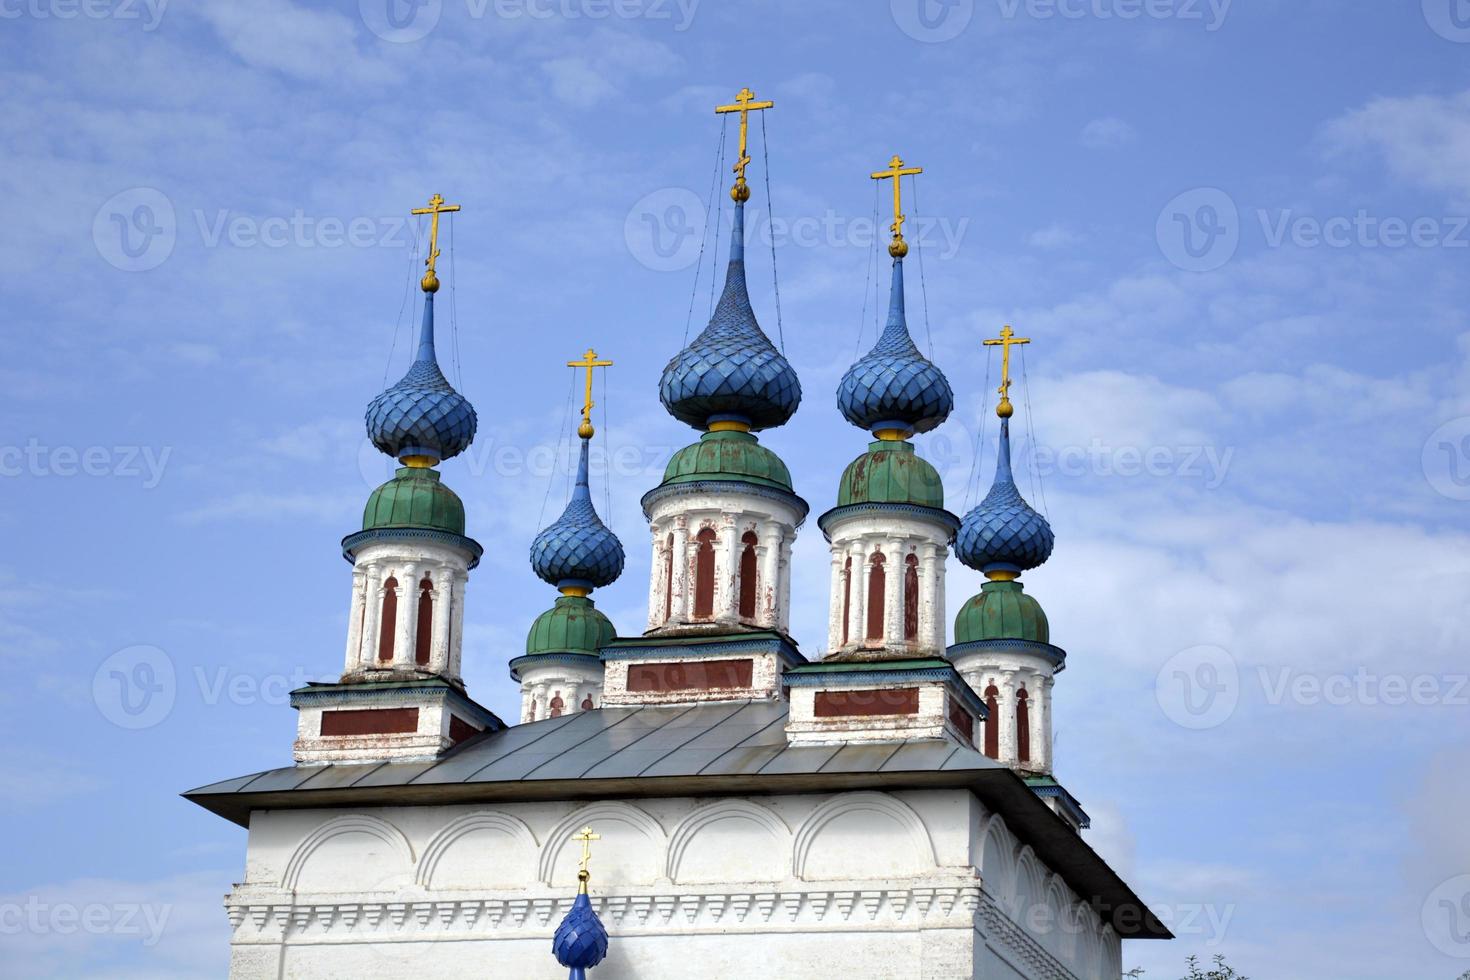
(586, 837)
(744, 104)
(589, 361)
(898, 248)
(1007, 339)
(430, 282)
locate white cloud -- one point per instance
(32, 780)
(251, 505)
(1424, 138)
(1107, 133)
(298, 41)
(1055, 235)
(161, 929)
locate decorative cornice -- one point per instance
(360, 538)
(421, 692)
(695, 487)
(266, 917)
(271, 917)
(1055, 655)
(586, 661)
(943, 518)
(1000, 928)
(945, 675)
(716, 647)
(1067, 800)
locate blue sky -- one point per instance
(1237, 233)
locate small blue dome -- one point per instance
(893, 386)
(422, 415)
(580, 942)
(731, 369)
(1003, 533)
(577, 549)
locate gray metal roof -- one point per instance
(726, 748)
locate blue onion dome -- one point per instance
(577, 551)
(894, 388)
(1004, 536)
(422, 418)
(580, 942)
(731, 372)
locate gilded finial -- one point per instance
(897, 248)
(744, 104)
(1007, 338)
(586, 837)
(430, 282)
(589, 361)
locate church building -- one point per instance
(691, 796)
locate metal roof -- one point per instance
(727, 748)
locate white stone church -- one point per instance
(885, 811)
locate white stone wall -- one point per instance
(430, 738)
(674, 525)
(922, 884)
(1009, 672)
(407, 562)
(765, 681)
(931, 721)
(896, 536)
(541, 684)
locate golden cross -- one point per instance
(898, 248)
(744, 104)
(589, 361)
(586, 837)
(430, 282)
(1007, 339)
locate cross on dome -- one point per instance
(430, 282)
(589, 361)
(1007, 339)
(898, 248)
(744, 104)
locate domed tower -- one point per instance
(401, 692)
(1002, 640)
(561, 670)
(724, 518)
(889, 533)
(885, 677)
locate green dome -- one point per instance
(1002, 611)
(414, 498)
(573, 625)
(891, 473)
(728, 455)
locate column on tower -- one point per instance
(890, 501)
(576, 553)
(390, 703)
(1001, 635)
(727, 505)
(885, 676)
